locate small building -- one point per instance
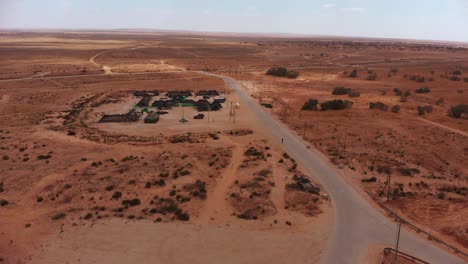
(144, 102)
(164, 104)
(179, 94)
(140, 93)
(131, 116)
(207, 93)
(203, 105)
(220, 100)
(144, 93)
(151, 118)
(215, 106)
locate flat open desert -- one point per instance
(388, 116)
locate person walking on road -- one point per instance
(282, 140)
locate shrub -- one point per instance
(44, 157)
(278, 71)
(441, 195)
(372, 179)
(310, 105)
(439, 101)
(4, 203)
(109, 188)
(417, 78)
(335, 105)
(353, 73)
(340, 91)
(378, 105)
(183, 216)
(455, 78)
(59, 216)
(465, 79)
(395, 109)
(252, 152)
(39, 199)
(423, 90)
(398, 91)
(5, 157)
(87, 216)
(266, 105)
(372, 77)
(184, 172)
(116, 195)
(458, 111)
(457, 72)
(354, 93)
(292, 74)
(422, 110)
(282, 72)
(132, 202)
(408, 171)
(161, 182)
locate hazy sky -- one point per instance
(414, 19)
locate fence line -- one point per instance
(401, 254)
(404, 221)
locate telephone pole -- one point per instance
(389, 180)
(305, 127)
(397, 241)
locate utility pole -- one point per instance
(234, 115)
(344, 144)
(430, 219)
(338, 144)
(305, 127)
(389, 180)
(397, 241)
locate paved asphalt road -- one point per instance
(357, 224)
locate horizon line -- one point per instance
(215, 33)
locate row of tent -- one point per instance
(172, 94)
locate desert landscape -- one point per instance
(205, 176)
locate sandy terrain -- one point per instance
(76, 190)
(53, 149)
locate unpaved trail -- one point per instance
(188, 52)
(277, 192)
(3, 101)
(107, 69)
(216, 205)
(175, 68)
(454, 130)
